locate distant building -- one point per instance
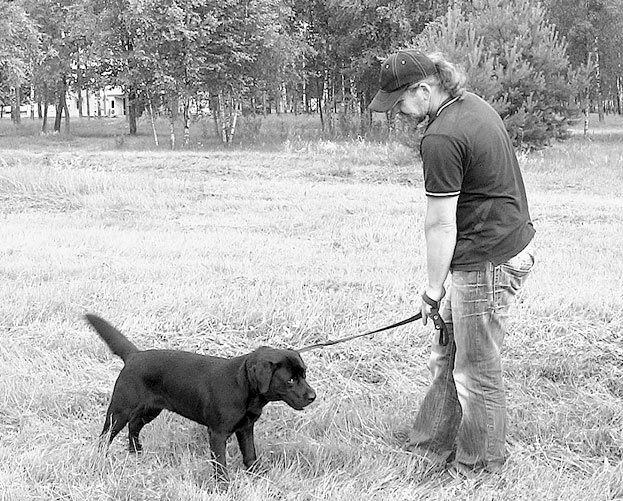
(107, 102)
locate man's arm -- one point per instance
(440, 232)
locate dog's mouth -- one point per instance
(297, 406)
(300, 402)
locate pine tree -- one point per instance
(516, 60)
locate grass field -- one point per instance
(220, 251)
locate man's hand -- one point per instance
(433, 295)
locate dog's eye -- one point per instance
(291, 381)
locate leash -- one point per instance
(440, 326)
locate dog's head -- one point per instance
(280, 375)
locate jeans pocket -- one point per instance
(511, 276)
(521, 264)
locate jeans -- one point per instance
(464, 411)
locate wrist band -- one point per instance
(440, 325)
(431, 302)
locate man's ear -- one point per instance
(425, 88)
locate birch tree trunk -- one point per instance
(32, 102)
(213, 100)
(151, 118)
(587, 106)
(66, 111)
(186, 122)
(44, 124)
(132, 110)
(80, 101)
(222, 117)
(172, 131)
(329, 102)
(62, 107)
(233, 120)
(174, 107)
(320, 93)
(225, 110)
(587, 99)
(619, 95)
(600, 97)
(16, 105)
(58, 117)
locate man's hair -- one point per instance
(449, 76)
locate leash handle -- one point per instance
(440, 325)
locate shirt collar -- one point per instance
(446, 103)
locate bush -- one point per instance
(514, 59)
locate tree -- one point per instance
(278, 71)
(348, 39)
(54, 71)
(170, 52)
(120, 28)
(593, 31)
(19, 42)
(173, 51)
(516, 60)
(80, 37)
(235, 54)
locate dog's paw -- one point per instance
(222, 483)
(257, 467)
(135, 447)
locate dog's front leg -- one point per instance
(247, 446)
(218, 442)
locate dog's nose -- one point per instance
(311, 396)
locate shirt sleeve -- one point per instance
(442, 158)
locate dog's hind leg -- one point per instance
(136, 425)
(115, 422)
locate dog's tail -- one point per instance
(117, 342)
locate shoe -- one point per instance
(472, 474)
(402, 435)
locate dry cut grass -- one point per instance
(219, 252)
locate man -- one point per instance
(478, 230)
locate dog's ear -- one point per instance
(260, 368)
(260, 374)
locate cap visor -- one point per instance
(385, 101)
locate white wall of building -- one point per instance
(108, 102)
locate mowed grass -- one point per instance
(220, 251)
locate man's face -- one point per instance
(415, 102)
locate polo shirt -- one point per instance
(466, 151)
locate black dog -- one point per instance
(226, 395)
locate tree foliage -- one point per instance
(19, 42)
(189, 58)
(515, 59)
(347, 40)
(593, 29)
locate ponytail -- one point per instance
(449, 76)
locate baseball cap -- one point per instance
(398, 71)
